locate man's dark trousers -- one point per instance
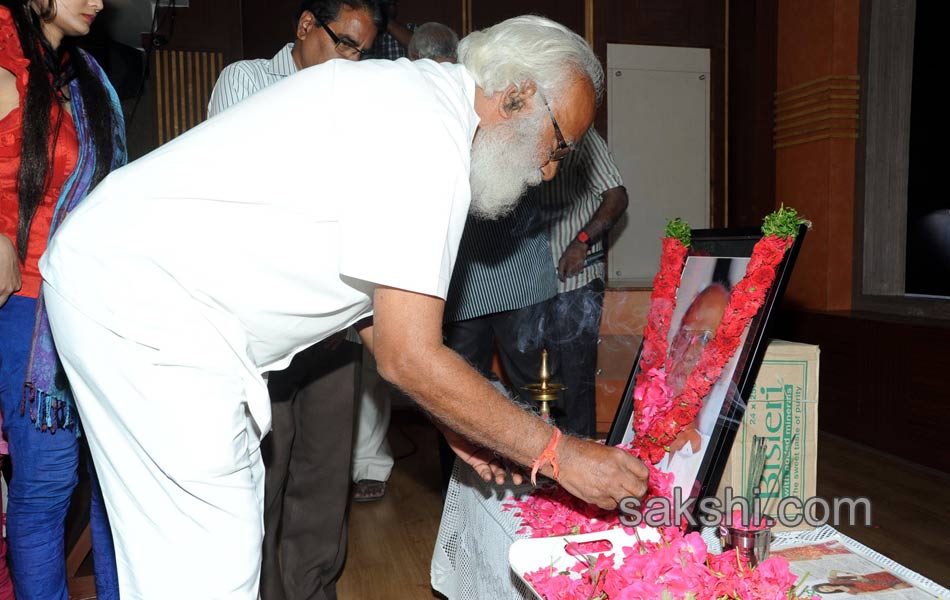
(307, 458)
(572, 333)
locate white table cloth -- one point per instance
(470, 560)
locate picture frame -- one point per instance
(716, 261)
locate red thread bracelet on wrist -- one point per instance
(548, 456)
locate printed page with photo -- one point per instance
(832, 570)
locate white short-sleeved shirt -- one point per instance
(265, 229)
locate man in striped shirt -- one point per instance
(308, 452)
(579, 205)
(326, 29)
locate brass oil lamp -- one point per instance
(544, 392)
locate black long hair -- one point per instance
(49, 73)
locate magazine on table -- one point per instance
(832, 570)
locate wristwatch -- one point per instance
(583, 238)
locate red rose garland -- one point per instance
(662, 303)
(658, 418)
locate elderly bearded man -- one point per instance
(307, 454)
(217, 257)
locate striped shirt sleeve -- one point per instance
(602, 172)
(234, 84)
(571, 198)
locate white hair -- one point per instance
(433, 41)
(529, 48)
(505, 163)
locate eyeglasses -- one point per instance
(344, 46)
(563, 148)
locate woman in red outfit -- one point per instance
(61, 132)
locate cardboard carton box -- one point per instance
(783, 408)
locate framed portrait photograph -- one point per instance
(716, 262)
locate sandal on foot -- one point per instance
(368, 490)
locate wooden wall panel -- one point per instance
(183, 83)
(621, 329)
(200, 40)
(818, 46)
(447, 12)
(661, 22)
(569, 12)
(881, 380)
(206, 25)
(267, 25)
(753, 28)
(689, 23)
(822, 109)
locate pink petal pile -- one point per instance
(676, 567)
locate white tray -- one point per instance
(529, 555)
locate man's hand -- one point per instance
(600, 474)
(612, 206)
(572, 261)
(9, 270)
(486, 463)
(407, 342)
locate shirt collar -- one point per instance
(283, 62)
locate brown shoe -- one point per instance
(368, 490)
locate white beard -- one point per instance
(505, 163)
